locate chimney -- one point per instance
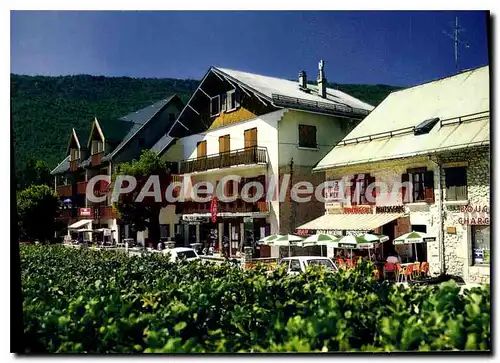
(321, 79)
(303, 79)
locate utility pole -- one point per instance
(456, 41)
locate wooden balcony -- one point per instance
(247, 156)
(67, 214)
(96, 158)
(176, 178)
(239, 206)
(64, 190)
(73, 165)
(81, 187)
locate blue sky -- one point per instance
(395, 48)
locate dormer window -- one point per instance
(232, 100)
(97, 146)
(215, 106)
(74, 154)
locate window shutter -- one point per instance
(223, 103)
(237, 102)
(354, 184)
(429, 186)
(371, 180)
(405, 178)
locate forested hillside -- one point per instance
(44, 109)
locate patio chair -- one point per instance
(399, 272)
(416, 270)
(406, 273)
(389, 268)
(424, 269)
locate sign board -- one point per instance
(194, 219)
(247, 219)
(332, 191)
(451, 230)
(475, 215)
(303, 232)
(357, 210)
(390, 209)
(107, 232)
(214, 209)
(85, 212)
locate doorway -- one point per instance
(420, 247)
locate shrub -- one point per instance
(79, 300)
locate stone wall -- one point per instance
(458, 245)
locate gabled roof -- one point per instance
(461, 102)
(271, 88)
(162, 144)
(62, 167)
(139, 119)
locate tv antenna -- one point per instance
(457, 41)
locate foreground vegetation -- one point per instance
(104, 301)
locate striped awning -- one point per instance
(358, 222)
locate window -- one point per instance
(74, 154)
(327, 263)
(359, 187)
(232, 100)
(456, 183)
(418, 186)
(215, 106)
(421, 185)
(201, 149)
(250, 136)
(307, 136)
(171, 117)
(97, 146)
(480, 245)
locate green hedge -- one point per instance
(104, 301)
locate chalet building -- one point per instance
(435, 137)
(109, 143)
(261, 129)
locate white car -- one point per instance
(181, 252)
(298, 264)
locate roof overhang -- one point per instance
(347, 222)
(71, 137)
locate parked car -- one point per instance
(298, 264)
(181, 252)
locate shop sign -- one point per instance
(107, 232)
(85, 212)
(214, 209)
(194, 219)
(333, 232)
(332, 191)
(474, 215)
(390, 209)
(247, 219)
(357, 210)
(303, 232)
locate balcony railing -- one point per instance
(73, 165)
(246, 156)
(64, 190)
(238, 206)
(96, 158)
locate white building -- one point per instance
(436, 136)
(261, 129)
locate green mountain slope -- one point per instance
(44, 109)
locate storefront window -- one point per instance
(481, 245)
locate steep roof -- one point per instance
(271, 87)
(62, 167)
(145, 114)
(460, 102)
(162, 144)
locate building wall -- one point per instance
(329, 131)
(420, 213)
(458, 245)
